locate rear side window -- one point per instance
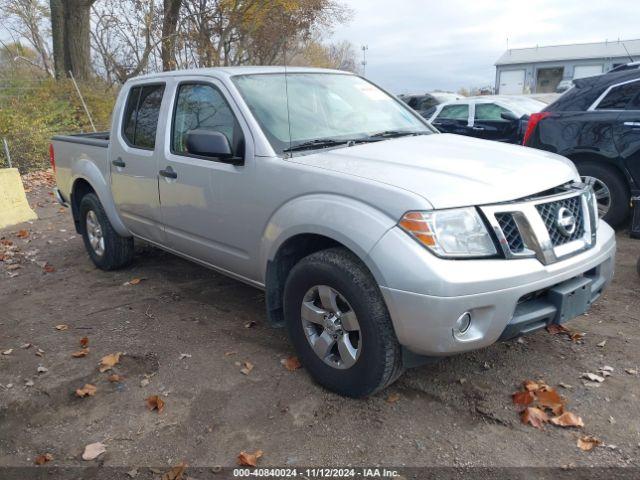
(621, 98)
(454, 112)
(140, 120)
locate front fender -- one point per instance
(88, 171)
(353, 223)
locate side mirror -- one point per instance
(209, 143)
(509, 116)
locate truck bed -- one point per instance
(96, 139)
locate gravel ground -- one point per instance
(185, 333)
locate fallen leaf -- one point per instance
(565, 385)
(601, 344)
(39, 352)
(555, 329)
(48, 268)
(7, 352)
(291, 363)
(576, 336)
(84, 342)
(144, 382)
(185, 355)
(567, 419)
(530, 385)
(93, 451)
(249, 459)
(22, 234)
(250, 324)
(246, 368)
(62, 327)
(176, 472)
(549, 398)
(42, 369)
(523, 398)
(154, 402)
(606, 368)
(393, 398)
(631, 371)
(593, 377)
(133, 281)
(109, 361)
(115, 378)
(80, 353)
(43, 458)
(87, 391)
(26, 346)
(534, 416)
(588, 442)
(228, 354)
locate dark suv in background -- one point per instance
(596, 124)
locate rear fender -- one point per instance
(86, 170)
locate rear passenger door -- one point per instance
(453, 119)
(134, 162)
(489, 124)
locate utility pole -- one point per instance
(364, 59)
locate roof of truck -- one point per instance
(231, 71)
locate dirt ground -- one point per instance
(185, 332)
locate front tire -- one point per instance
(611, 191)
(339, 324)
(107, 249)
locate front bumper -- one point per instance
(426, 295)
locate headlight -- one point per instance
(458, 232)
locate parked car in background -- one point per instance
(596, 124)
(564, 85)
(624, 67)
(501, 118)
(424, 102)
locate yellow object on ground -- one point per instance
(14, 207)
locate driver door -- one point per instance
(203, 198)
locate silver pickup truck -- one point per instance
(377, 240)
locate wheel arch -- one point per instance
(89, 179)
(289, 237)
(579, 158)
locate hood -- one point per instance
(450, 170)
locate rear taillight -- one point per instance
(52, 157)
(533, 123)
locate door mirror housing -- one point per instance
(509, 116)
(212, 144)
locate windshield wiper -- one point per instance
(317, 143)
(395, 134)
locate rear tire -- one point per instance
(107, 249)
(373, 358)
(618, 211)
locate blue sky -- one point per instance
(420, 45)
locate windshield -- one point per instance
(324, 109)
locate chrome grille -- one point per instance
(549, 214)
(511, 233)
(539, 227)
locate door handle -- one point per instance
(118, 162)
(168, 173)
(478, 129)
(632, 124)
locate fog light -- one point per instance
(463, 323)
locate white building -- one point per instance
(541, 69)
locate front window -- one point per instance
(324, 107)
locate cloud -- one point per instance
(419, 45)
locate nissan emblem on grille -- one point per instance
(565, 221)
